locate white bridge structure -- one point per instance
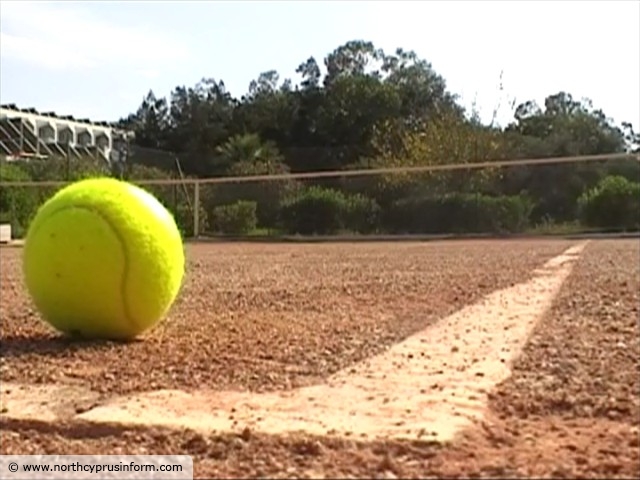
(26, 133)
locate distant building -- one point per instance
(27, 133)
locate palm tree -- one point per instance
(247, 149)
(247, 155)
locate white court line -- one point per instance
(429, 386)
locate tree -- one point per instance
(200, 118)
(631, 138)
(247, 155)
(565, 127)
(310, 72)
(266, 84)
(247, 149)
(445, 140)
(150, 122)
(351, 59)
(363, 107)
(423, 92)
(267, 110)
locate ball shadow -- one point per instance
(53, 346)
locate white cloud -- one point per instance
(64, 36)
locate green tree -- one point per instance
(200, 118)
(362, 107)
(150, 123)
(268, 109)
(247, 148)
(614, 203)
(565, 127)
(18, 205)
(247, 155)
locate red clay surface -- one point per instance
(266, 317)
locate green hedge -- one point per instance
(316, 211)
(361, 214)
(613, 204)
(326, 211)
(17, 204)
(459, 213)
(239, 218)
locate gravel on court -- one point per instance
(571, 408)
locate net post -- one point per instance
(196, 209)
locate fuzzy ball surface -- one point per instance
(103, 259)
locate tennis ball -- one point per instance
(103, 259)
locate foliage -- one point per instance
(612, 204)
(459, 213)
(254, 158)
(361, 214)
(64, 169)
(17, 204)
(237, 218)
(317, 211)
(363, 107)
(325, 211)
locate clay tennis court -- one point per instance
(513, 357)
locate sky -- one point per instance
(98, 59)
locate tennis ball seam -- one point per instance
(123, 283)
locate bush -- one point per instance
(184, 219)
(18, 205)
(239, 218)
(614, 203)
(326, 211)
(508, 214)
(65, 169)
(268, 194)
(317, 211)
(360, 214)
(459, 213)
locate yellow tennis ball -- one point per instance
(103, 259)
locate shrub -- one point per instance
(268, 194)
(614, 203)
(459, 213)
(326, 211)
(316, 211)
(65, 169)
(505, 214)
(238, 218)
(18, 205)
(184, 219)
(360, 214)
